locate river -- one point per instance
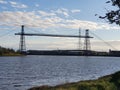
(21, 73)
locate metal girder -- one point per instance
(52, 35)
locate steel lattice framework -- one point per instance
(23, 34)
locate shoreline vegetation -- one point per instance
(109, 82)
(11, 54)
(8, 52)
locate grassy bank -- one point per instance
(12, 54)
(110, 82)
(9, 52)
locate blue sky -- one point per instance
(58, 17)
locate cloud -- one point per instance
(66, 43)
(61, 11)
(45, 20)
(43, 13)
(101, 46)
(75, 24)
(37, 5)
(27, 18)
(3, 2)
(56, 43)
(8, 28)
(17, 5)
(73, 44)
(75, 11)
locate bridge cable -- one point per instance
(103, 40)
(7, 33)
(34, 30)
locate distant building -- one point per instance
(114, 53)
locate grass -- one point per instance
(109, 82)
(11, 54)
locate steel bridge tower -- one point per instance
(87, 46)
(79, 43)
(22, 46)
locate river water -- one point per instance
(21, 73)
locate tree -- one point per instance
(7, 51)
(113, 16)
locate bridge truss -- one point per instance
(22, 46)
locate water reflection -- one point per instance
(20, 73)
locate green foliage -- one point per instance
(116, 80)
(113, 16)
(111, 82)
(7, 51)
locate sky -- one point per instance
(57, 17)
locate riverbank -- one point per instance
(74, 53)
(11, 54)
(8, 52)
(109, 82)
